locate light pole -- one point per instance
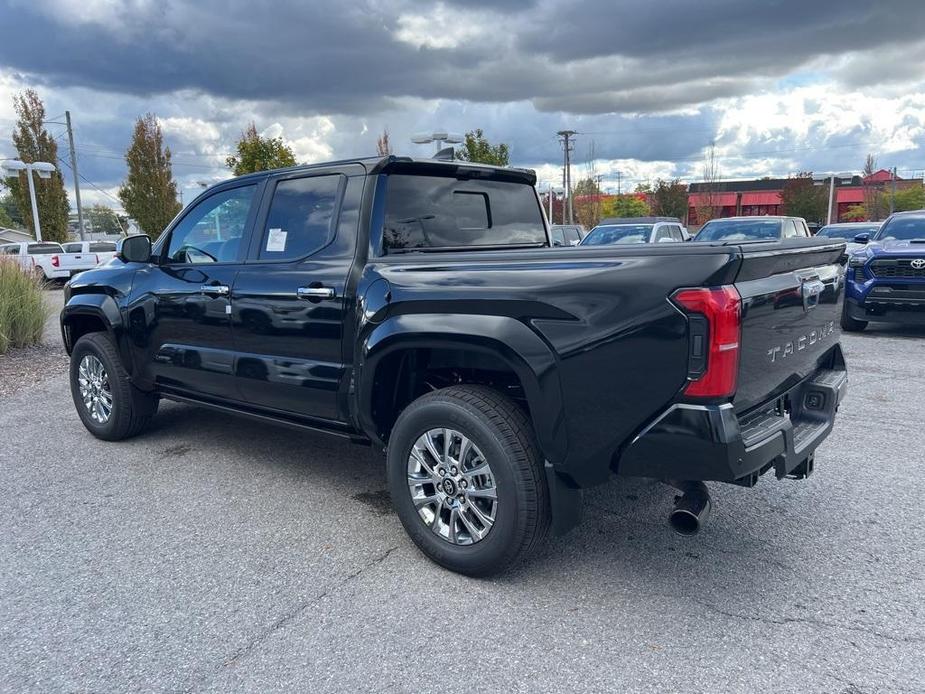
(439, 137)
(44, 170)
(831, 177)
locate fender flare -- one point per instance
(101, 306)
(523, 350)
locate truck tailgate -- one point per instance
(77, 261)
(792, 297)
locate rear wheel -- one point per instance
(109, 406)
(849, 324)
(467, 481)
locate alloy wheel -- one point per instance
(452, 486)
(95, 391)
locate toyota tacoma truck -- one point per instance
(886, 277)
(419, 306)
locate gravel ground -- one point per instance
(29, 366)
(207, 557)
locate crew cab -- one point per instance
(636, 230)
(419, 306)
(47, 260)
(886, 277)
(743, 229)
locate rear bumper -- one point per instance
(712, 442)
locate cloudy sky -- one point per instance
(779, 86)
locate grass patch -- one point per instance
(22, 307)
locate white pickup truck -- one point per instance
(103, 250)
(48, 260)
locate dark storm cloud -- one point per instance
(595, 56)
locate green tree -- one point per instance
(908, 198)
(33, 143)
(854, 213)
(149, 194)
(103, 220)
(478, 149)
(586, 186)
(801, 198)
(256, 153)
(669, 199)
(629, 205)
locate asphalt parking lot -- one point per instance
(217, 554)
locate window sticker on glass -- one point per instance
(276, 240)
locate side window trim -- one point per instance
(253, 247)
(163, 241)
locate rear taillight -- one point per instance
(715, 317)
(54, 261)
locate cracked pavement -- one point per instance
(218, 554)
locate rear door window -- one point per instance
(302, 217)
(789, 229)
(443, 212)
(676, 233)
(573, 236)
(558, 237)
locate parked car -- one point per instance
(103, 250)
(886, 277)
(48, 260)
(846, 231)
(566, 234)
(417, 306)
(636, 230)
(741, 229)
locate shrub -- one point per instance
(22, 307)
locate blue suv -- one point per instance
(886, 278)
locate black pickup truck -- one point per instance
(418, 306)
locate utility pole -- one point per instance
(70, 140)
(567, 146)
(619, 183)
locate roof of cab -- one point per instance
(393, 163)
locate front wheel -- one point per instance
(467, 481)
(109, 406)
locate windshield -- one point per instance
(903, 228)
(844, 231)
(621, 233)
(740, 230)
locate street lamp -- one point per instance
(44, 170)
(831, 178)
(439, 138)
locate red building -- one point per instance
(762, 197)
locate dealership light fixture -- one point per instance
(44, 170)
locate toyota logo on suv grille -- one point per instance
(918, 263)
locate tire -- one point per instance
(503, 438)
(849, 324)
(130, 409)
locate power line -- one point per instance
(92, 184)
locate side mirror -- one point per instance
(135, 249)
(862, 238)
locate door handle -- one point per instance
(315, 292)
(219, 289)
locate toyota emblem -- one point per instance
(918, 263)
